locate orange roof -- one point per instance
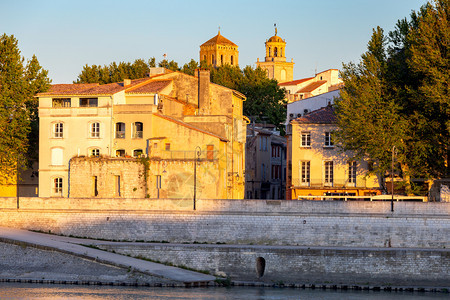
(276, 38)
(295, 82)
(218, 40)
(89, 88)
(312, 86)
(151, 87)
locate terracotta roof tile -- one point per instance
(151, 87)
(324, 115)
(295, 82)
(312, 86)
(218, 39)
(88, 88)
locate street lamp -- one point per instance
(392, 179)
(197, 152)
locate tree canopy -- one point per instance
(398, 96)
(265, 99)
(20, 81)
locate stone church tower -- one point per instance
(275, 61)
(219, 51)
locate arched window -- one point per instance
(221, 59)
(138, 128)
(212, 59)
(58, 130)
(57, 186)
(95, 152)
(204, 57)
(275, 52)
(94, 130)
(232, 60)
(270, 51)
(120, 130)
(57, 156)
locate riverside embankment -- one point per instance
(300, 242)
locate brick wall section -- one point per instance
(306, 223)
(400, 267)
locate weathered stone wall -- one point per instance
(304, 265)
(305, 223)
(118, 177)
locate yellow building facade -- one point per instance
(219, 51)
(169, 124)
(318, 168)
(275, 63)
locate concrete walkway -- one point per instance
(74, 246)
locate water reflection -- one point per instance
(38, 291)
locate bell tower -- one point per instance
(219, 51)
(275, 62)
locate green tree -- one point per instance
(398, 96)
(265, 99)
(19, 82)
(170, 65)
(190, 67)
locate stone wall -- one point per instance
(304, 265)
(304, 223)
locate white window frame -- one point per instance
(138, 134)
(328, 140)
(328, 175)
(352, 171)
(93, 154)
(305, 139)
(58, 185)
(58, 130)
(94, 130)
(305, 173)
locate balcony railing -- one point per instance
(336, 183)
(138, 135)
(120, 134)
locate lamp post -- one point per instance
(197, 152)
(17, 181)
(392, 179)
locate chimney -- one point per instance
(126, 82)
(203, 90)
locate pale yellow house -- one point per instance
(275, 63)
(317, 168)
(151, 137)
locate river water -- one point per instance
(43, 291)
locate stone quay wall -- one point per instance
(305, 265)
(258, 222)
(328, 242)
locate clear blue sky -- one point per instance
(65, 35)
